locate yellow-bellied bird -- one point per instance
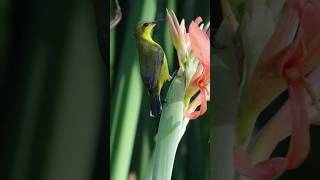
(153, 64)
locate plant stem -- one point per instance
(171, 129)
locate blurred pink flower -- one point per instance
(286, 67)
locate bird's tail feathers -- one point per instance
(155, 105)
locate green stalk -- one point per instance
(171, 129)
(149, 171)
(112, 53)
(171, 4)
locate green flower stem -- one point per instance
(171, 129)
(148, 173)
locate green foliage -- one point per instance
(53, 87)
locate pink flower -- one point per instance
(179, 37)
(200, 45)
(283, 67)
(193, 50)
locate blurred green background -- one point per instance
(132, 130)
(53, 89)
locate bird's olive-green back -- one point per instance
(151, 58)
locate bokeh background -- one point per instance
(53, 89)
(132, 129)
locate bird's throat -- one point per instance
(147, 37)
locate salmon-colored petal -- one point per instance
(279, 127)
(200, 45)
(309, 14)
(191, 116)
(298, 148)
(274, 166)
(293, 72)
(300, 138)
(243, 164)
(265, 170)
(199, 100)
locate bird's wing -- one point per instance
(151, 71)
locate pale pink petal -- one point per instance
(172, 28)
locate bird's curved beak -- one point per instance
(152, 25)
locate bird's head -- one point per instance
(144, 28)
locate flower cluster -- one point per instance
(193, 49)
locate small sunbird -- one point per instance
(153, 64)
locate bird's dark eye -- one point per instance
(145, 25)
